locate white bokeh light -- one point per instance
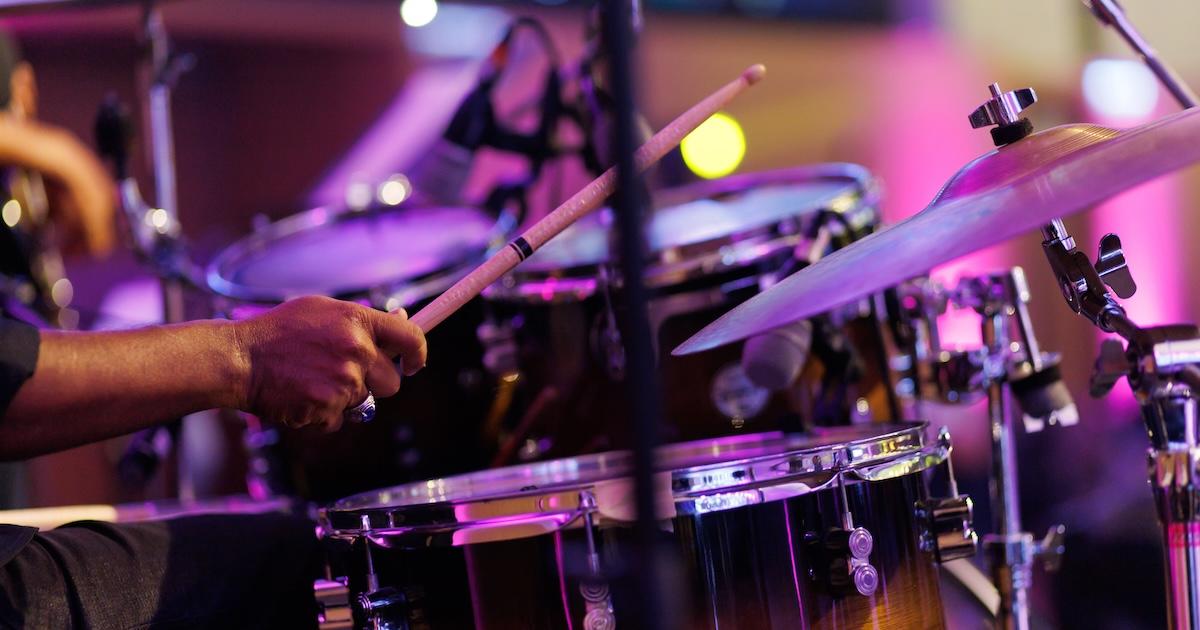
(394, 190)
(418, 13)
(1120, 89)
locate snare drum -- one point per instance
(712, 245)
(388, 259)
(767, 532)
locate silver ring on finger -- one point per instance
(363, 411)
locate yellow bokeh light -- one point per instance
(11, 213)
(715, 148)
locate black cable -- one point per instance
(641, 377)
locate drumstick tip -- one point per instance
(754, 73)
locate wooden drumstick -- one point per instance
(582, 203)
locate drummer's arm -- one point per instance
(60, 156)
(301, 364)
(88, 386)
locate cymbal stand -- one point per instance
(161, 69)
(155, 231)
(1162, 366)
(1111, 14)
(1009, 366)
(1012, 365)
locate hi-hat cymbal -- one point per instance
(1006, 193)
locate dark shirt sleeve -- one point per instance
(19, 345)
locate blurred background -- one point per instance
(293, 103)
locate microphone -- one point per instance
(773, 360)
(442, 173)
(1043, 397)
(113, 134)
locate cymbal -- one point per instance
(1008, 192)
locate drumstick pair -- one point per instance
(581, 204)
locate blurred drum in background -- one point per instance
(387, 258)
(711, 246)
(766, 531)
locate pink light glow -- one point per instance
(405, 130)
(924, 139)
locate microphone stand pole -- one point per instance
(159, 72)
(641, 565)
(1111, 14)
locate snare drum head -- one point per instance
(322, 252)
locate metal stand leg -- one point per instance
(1010, 549)
(1174, 477)
(160, 70)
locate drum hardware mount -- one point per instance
(387, 607)
(999, 299)
(1162, 367)
(333, 605)
(962, 376)
(1003, 111)
(999, 369)
(949, 531)
(597, 596)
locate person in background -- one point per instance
(85, 204)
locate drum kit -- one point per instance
(794, 338)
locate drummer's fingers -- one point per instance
(396, 335)
(382, 378)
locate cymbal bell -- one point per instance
(1010, 191)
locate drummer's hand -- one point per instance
(310, 359)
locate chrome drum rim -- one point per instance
(696, 478)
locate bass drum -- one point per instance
(754, 524)
(712, 245)
(386, 258)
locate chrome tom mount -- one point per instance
(1008, 366)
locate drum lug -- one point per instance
(849, 569)
(387, 609)
(1020, 550)
(848, 550)
(856, 551)
(596, 594)
(333, 605)
(948, 532)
